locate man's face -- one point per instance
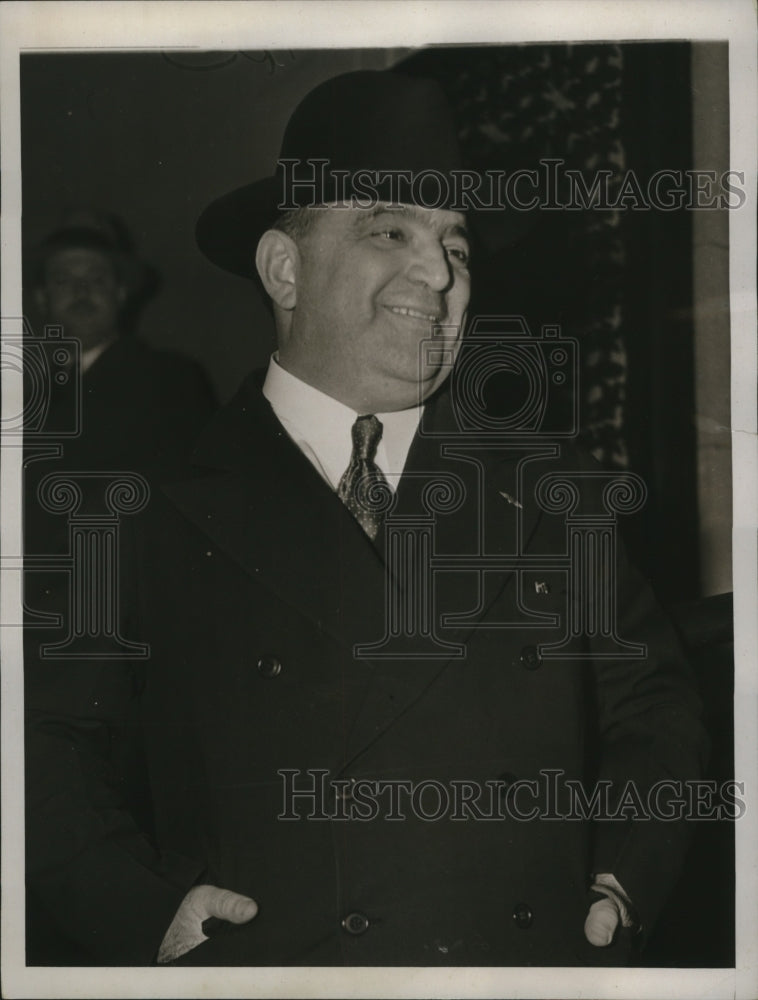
(372, 284)
(81, 293)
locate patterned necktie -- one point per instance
(358, 487)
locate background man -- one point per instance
(137, 403)
(262, 581)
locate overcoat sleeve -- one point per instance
(652, 745)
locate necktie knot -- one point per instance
(367, 433)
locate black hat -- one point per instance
(366, 120)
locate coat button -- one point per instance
(530, 657)
(269, 666)
(522, 916)
(355, 923)
(344, 793)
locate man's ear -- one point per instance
(276, 260)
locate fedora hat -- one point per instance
(360, 122)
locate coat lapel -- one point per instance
(484, 517)
(492, 515)
(264, 505)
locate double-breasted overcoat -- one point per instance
(258, 595)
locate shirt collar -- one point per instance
(321, 426)
(90, 356)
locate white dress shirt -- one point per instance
(321, 427)
(89, 357)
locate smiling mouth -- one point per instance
(414, 314)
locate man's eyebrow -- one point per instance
(458, 230)
(369, 214)
(411, 212)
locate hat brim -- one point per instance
(230, 227)
(137, 277)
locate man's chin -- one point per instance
(433, 380)
(412, 390)
(88, 334)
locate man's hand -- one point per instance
(200, 903)
(605, 914)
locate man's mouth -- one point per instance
(415, 313)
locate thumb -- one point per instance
(227, 905)
(601, 923)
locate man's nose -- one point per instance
(431, 266)
(79, 286)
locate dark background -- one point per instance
(154, 136)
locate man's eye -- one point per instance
(389, 234)
(459, 254)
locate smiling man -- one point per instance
(328, 786)
(355, 297)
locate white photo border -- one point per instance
(40, 26)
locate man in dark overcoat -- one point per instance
(134, 406)
(376, 715)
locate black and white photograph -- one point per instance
(379, 491)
